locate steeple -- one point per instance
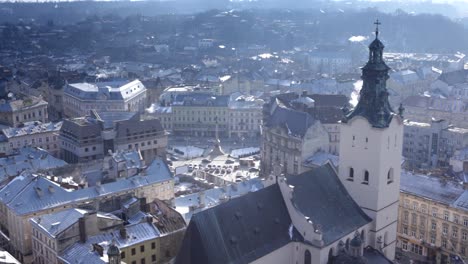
(373, 101)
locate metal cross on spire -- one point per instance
(377, 23)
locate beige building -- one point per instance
(433, 219)
(198, 114)
(17, 111)
(245, 116)
(80, 98)
(295, 127)
(30, 196)
(34, 134)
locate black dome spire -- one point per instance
(373, 101)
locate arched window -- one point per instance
(351, 174)
(366, 177)
(390, 176)
(307, 257)
(330, 256)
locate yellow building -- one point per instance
(433, 219)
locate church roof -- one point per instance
(320, 195)
(258, 223)
(239, 231)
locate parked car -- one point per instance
(253, 170)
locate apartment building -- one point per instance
(433, 219)
(17, 111)
(427, 145)
(32, 134)
(30, 195)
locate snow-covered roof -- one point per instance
(81, 253)
(29, 193)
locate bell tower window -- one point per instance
(351, 174)
(390, 176)
(366, 178)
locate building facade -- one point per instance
(17, 111)
(427, 145)
(33, 134)
(44, 196)
(92, 137)
(433, 219)
(295, 127)
(80, 98)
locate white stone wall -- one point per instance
(377, 151)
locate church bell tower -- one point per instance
(370, 152)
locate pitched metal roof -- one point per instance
(30, 193)
(430, 187)
(320, 195)
(239, 231)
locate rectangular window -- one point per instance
(133, 251)
(153, 258)
(153, 245)
(434, 212)
(444, 243)
(433, 238)
(446, 215)
(142, 248)
(416, 249)
(122, 254)
(444, 229)
(464, 235)
(143, 261)
(404, 245)
(434, 226)
(405, 230)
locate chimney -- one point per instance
(123, 232)
(201, 199)
(304, 93)
(99, 249)
(82, 229)
(51, 189)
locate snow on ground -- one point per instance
(244, 151)
(190, 152)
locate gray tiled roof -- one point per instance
(296, 122)
(55, 223)
(429, 187)
(202, 99)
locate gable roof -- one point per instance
(320, 195)
(239, 231)
(296, 122)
